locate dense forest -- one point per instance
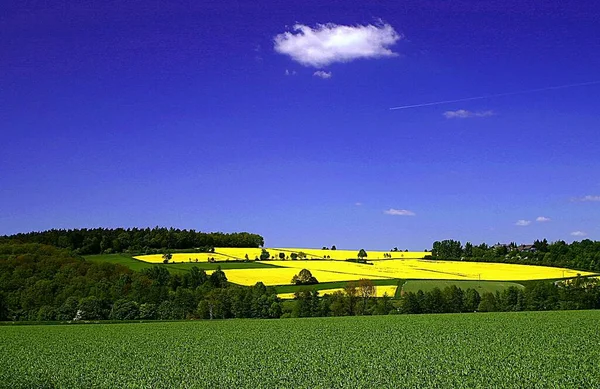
(584, 255)
(135, 240)
(45, 283)
(41, 282)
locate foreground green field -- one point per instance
(503, 350)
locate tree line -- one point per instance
(358, 299)
(135, 240)
(584, 255)
(578, 293)
(45, 283)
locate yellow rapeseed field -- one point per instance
(182, 257)
(222, 253)
(283, 276)
(458, 270)
(233, 253)
(342, 255)
(334, 269)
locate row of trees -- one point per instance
(357, 299)
(584, 255)
(140, 240)
(539, 296)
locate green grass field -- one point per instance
(480, 286)
(500, 350)
(138, 265)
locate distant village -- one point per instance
(529, 248)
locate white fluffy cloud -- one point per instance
(329, 43)
(542, 219)
(399, 212)
(523, 222)
(463, 114)
(578, 233)
(290, 72)
(588, 198)
(322, 74)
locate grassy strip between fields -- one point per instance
(175, 268)
(330, 285)
(410, 285)
(479, 286)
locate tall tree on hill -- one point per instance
(362, 254)
(264, 255)
(447, 249)
(305, 277)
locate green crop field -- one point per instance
(480, 286)
(501, 350)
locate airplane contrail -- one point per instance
(496, 95)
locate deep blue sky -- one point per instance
(144, 113)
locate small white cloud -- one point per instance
(399, 212)
(329, 43)
(290, 72)
(542, 219)
(323, 74)
(523, 223)
(578, 233)
(587, 198)
(463, 114)
(358, 204)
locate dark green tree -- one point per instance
(305, 277)
(217, 279)
(264, 255)
(488, 303)
(471, 300)
(124, 309)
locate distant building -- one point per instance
(526, 248)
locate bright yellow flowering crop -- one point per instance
(233, 253)
(454, 270)
(182, 257)
(282, 276)
(336, 270)
(342, 255)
